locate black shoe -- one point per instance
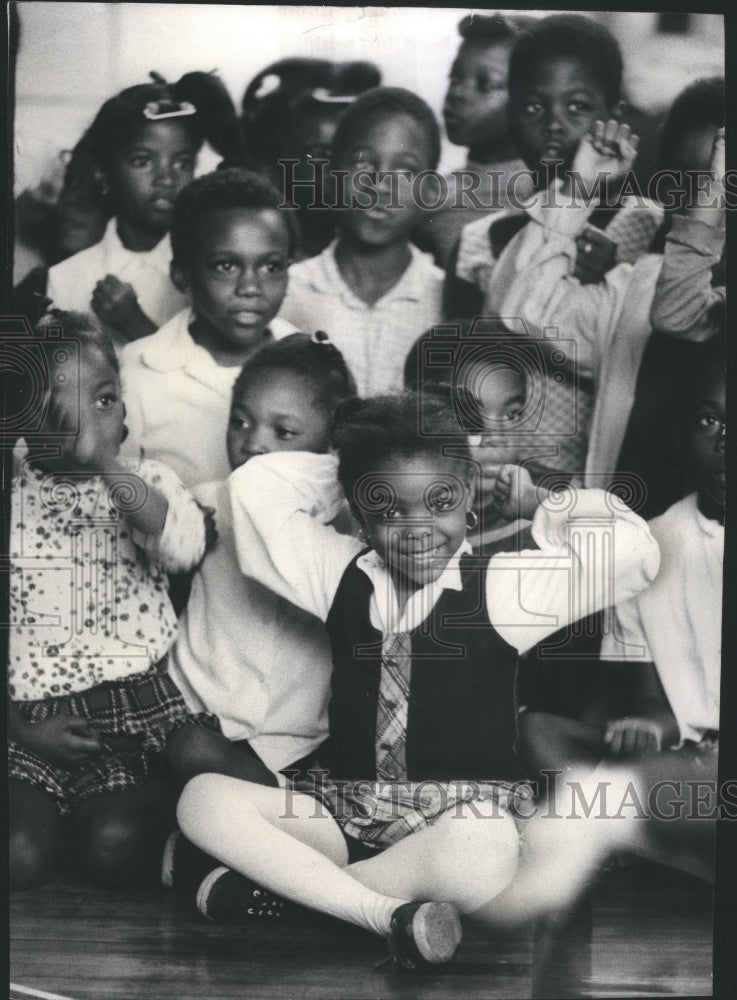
(183, 866)
(228, 897)
(423, 934)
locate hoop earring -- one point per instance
(474, 523)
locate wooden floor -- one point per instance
(645, 932)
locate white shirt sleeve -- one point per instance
(181, 544)
(593, 553)
(282, 505)
(533, 281)
(686, 305)
(626, 640)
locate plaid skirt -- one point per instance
(382, 813)
(132, 718)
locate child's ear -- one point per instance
(179, 277)
(360, 522)
(102, 183)
(470, 483)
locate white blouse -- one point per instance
(282, 504)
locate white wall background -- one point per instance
(73, 55)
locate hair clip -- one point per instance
(325, 97)
(320, 337)
(270, 83)
(155, 110)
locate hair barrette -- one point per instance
(270, 83)
(325, 97)
(156, 110)
(320, 337)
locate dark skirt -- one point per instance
(133, 718)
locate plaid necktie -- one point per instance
(391, 713)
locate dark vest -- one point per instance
(462, 708)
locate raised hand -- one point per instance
(85, 448)
(116, 303)
(596, 253)
(709, 204)
(515, 495)
(606, 153)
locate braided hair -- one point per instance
(315, 358)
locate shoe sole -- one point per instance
(203, 893)
(436, 929)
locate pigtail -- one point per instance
(352, 78)
(216, 112)
(329, 358)
(268, 101)
(314, 357)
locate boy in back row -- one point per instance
(231, 249)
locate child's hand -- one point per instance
(710, 203)
(596, 253)
(84, 450)
(633, 737)
(605, 154)
(64, 740)
(514, 493)
(116, 304)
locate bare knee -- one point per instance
(122, 839)
(494, 829)
(31, 858)
(488, 843)
(199, 797)
(194, 750)
(111, 845)
(189, 750)
(33, 836)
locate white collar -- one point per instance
(707, 524)
(115, 254)
(172, 348)
(412, 285)
(384, 608)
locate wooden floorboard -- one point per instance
(649, 934)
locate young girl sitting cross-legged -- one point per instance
(425, 640)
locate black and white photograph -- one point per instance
(364, 474)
